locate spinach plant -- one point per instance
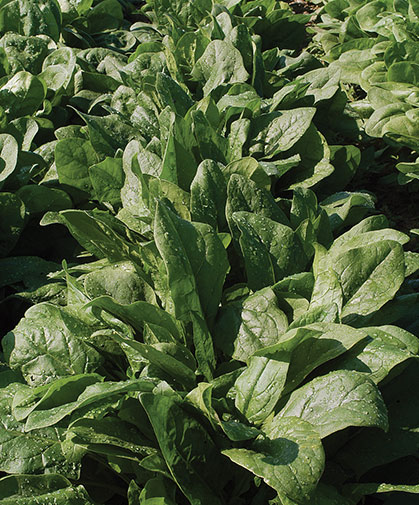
(197, 308)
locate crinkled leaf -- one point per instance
(49, 342)
(43, 450)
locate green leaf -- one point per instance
(289, 458)
(99, 233)
(190, 453)
(276, 132)
(51, 395)
(271, 250)
(50, 342)
(107, 179)
(209, 195)
(237, 137)
(138, 313)
(244, 328)
(369, 15)
(404, 71)
(201, 398)
(40, 18)
(260, 386)
(40, 199)
(170, 357)
(24, 52)
(182, 13)
(315, 160)
(8, 155)
(398, 121)
(110, 436)
(345, 160)
(310, 346)
(326, 494)
(204, 346)
(244, 195)
(109, 133)
(221, 63)
(345, 209)
(73, 157)
(158, 491)
(40, 451)
(376, 273)
(400, 440)
(105, 15)
(251, 169)
(30, 270)
(211, 144)
(172, 94)
(23, 94)
(357, 491)
(386, 347)
(196, 263)
(55, 406)
(338, 400)
(122, 281)
(35, 489)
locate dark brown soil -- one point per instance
(399, 203)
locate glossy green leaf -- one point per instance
(138, 313)
(289, 458)
(187, 448)
(41, 18)
(271, 250)
(244, 328)
(73, 159)
(196, 274)
(401, 438)
(107, 179)
(50, 342)
(221, 63)
(23, 94)
(172, 358)
(260, 386)
(337, 400)
(276, 132)
(386, 347)
(36, 489)
(209, 195)
(40, 451)
(8, 155)
(311, 345)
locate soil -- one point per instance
(397, 202)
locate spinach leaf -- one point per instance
(187, 448)
(356, 402)
(289, 458)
